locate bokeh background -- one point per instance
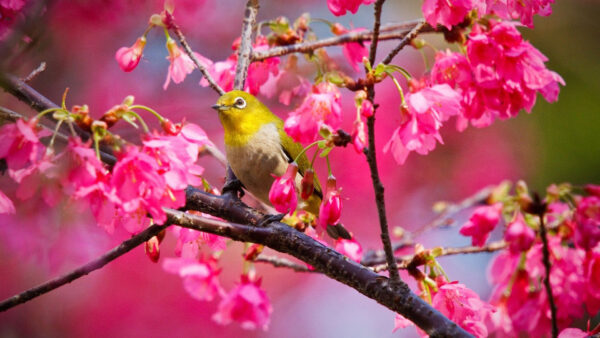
(133, 297)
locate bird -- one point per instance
(258, 149)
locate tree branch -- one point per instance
(96, 264)
(548, 267)
(245, 49)
(188, 50)
(372, 159)
(405, 41)
(280, 262)
(389, 32)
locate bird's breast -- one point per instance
(254, 162)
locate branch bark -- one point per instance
(388, 32)
(245, 50)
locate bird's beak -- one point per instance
(218, 107)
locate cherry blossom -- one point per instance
(200, 276)
(129, 57)
(320, 109)
(20, 144)
(339, 7)
(331, 207)
(180, 63)
(353, 51)
(481, 223)
(350, 248)
(6, 205)
(519, 235)
(446, 12)
(246, 303)
(283, 194)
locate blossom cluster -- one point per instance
(143, 180)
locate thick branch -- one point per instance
(547, 266)
(372, 159)
(280, 262)
(245, 49)
(283, 238)
(108, 257)
(389, 32)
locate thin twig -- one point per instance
(389, 32)
(547, 266)
(245, 49)
(35, 72)
(404, 261)
(372, 159)
(188, 50)
(405, 41)
(96, 264)
(280, 262)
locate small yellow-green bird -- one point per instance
(258, 147)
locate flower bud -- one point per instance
(152, 249)
(307, 184)
(366, 108)
(129, 57)
(170, 127)
(331, 208)
(283, 191)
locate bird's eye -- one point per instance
(240, 103)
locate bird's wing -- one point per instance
(292, 151)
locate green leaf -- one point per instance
(326, 152)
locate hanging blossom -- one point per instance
(427, 107)
(500, 75)
(283, 194)
(129, 57)
(353, 51)
(180, 63)
(350, 248)
(339, 7)
(246, 303)
(21, 144)
(258, 72)
(200, 276)
(322, 108)
(481, 223)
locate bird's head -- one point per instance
(239, 111)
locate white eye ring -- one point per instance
(240, 103)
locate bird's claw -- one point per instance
(233, 187)
(270, 218)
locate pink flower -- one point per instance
(20, 144)
(366, 109)
(464, 307)
(129, 57)
(9, 10)
(331, 207)
(592, 189)
(350, 248)
(353, 51)
(320, 109)
(181, 64)
(247, 303)
(426, 109)
(519, 235)
(200, 277)
(152, 248)
(481, 223)
(339, 7)
(283, 191)
(522, 9)
(223, 72)
(573, 333)
(501, 75)
(587, 218)
(359, 136)
(80, 165)
(446, 12)
(400, 322)
(6, 205)
(592, 275)
(139, 186)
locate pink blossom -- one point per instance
(247, 303)
(519, 235)
(446, 12)
(426, 109)
(366, 109)
(359, 136)
(463, 306)
(42, 176)
(350, 248)
(9, 10)
(339, 7)
(592, 275)
(139, 186)
(20, 144)
(481, 223)
(180, 63)
(592, 189)
(200, 277)
(513, 9)
(353, 51)
(331, 207)
(573, 333)
(6, 205)
(587, 218)
(501, 75)
(152, 249)
(223, 72)
(320, 109)
(283, 191)
(400, 322)
(129, 57)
